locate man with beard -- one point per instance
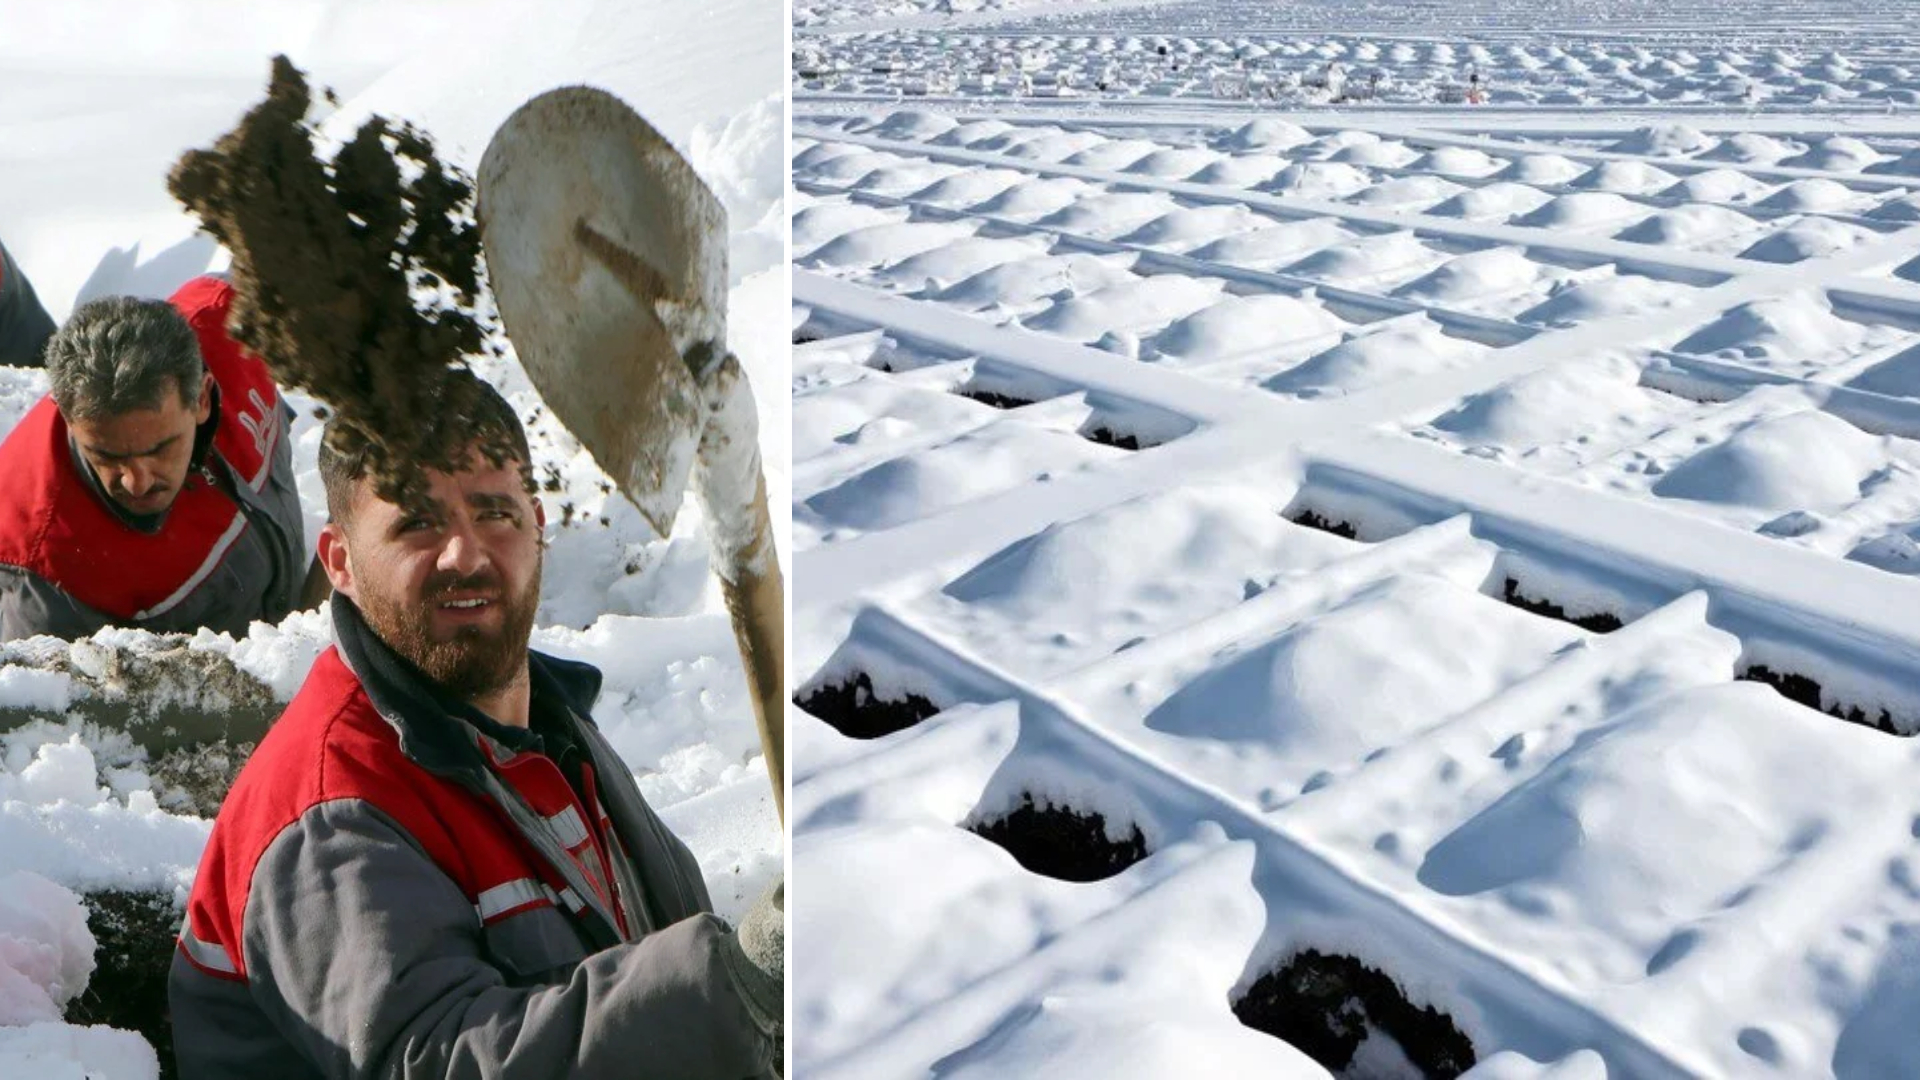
(434, 865)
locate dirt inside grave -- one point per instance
(1599, 622)
(134, 932)
(355, 279)
(1061, 842)
(1325, 1005)
(1805, 691)
(1310, 519)
(1107, 437)
(998, 401)
(854, 710)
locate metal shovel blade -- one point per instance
(607, 341)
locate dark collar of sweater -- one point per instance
(429, 720)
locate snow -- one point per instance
(96, 102)
(1631, 345)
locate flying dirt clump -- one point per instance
(327, 261)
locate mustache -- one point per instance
(447, 584)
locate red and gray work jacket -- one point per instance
(228, 551)
(389, 891)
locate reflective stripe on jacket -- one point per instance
(389, 892)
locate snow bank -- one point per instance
(1801, 461)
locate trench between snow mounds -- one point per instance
(882, 350)
(1805, 690)
(849, 704)
(1524, 583)
(1054, 839)
(1094, 415)
(1130, 425)
(1353, 1019)
(1005, 386)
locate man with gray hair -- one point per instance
(153, 487)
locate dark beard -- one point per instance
(475, 661)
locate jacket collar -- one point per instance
(436, 729)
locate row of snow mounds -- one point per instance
(1254, 155)
(1524, 813)
(1343, 68)
(1632, 201)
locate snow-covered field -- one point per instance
(1409, 567)
(96, 102)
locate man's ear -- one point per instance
(333, 559)
(539, 515)
(205, 408)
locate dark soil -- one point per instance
(135, 933)
(1060, 842)
(855, 712)
(1323, 1005)
(998, 401)
(196, 779)
(1106, 437)
(1314, 521)
(1599, 622)
(325, 259)
(1802, 690)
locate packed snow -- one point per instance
(96, 101)
(1401, 566)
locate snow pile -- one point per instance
(1801, 461)
(1411, 345)
(1798, 330)
(46, 950)
(1244, 324)
(1134, 307)
(46, 958)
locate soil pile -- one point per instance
(328, 259)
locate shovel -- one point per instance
(608, 260)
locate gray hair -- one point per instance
(118, 354)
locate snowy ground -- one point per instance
(1436, 538)
(96, 101)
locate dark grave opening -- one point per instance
(1325, 1005)
(1805, 691)
(1312, 520)
(1599, 622)
(855, 711)
(988, 397)
(134, 934)
(1061, 842)
(1108, 437)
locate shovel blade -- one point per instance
(576, 163)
